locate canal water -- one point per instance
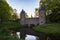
(28, 37)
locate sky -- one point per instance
(27, 5)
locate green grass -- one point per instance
(52, 28)
(12, 25)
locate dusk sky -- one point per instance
(28, 5)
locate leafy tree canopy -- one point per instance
(5, 10)
(50, 4)
(55, 15)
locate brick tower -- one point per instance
(42, 15)
(22, 17)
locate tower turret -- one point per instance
(42, 15)
(22, 17)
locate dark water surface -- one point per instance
(28, 37)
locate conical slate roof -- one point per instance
(42, 8)
(22, 12)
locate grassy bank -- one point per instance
(12, 25)
(52, 28)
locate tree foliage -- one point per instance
(5, 14)
(55, 15)
(8, 28)
(5, 10)
(26, 15)
(49, 4)
(52, 9)
(14, 16)
(5, 34)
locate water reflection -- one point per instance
(30, 37)
(18, 34)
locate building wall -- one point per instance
(34, 21)
(40, 20)
(42, 17)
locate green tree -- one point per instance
(26, 15)
(14, 15)
(37, 12)
(5, 10)
(55, 15)
(52, 9)
(49, 5)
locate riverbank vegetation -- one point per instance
(7, 13)
(12, 25)
(52, 17)
(50, 28)
(7, 22)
